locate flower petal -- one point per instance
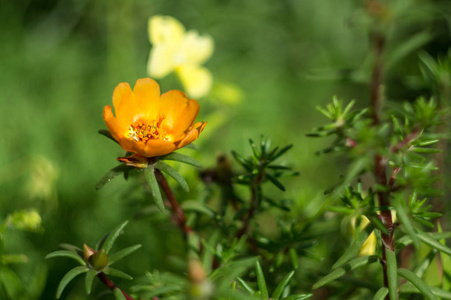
(115, 128)
(192, 135)
(147, 97)
(195, 49)
(124, 104)
(158, 148)
(172, 104)
(185, 119)
(164, 30)
(196, 80)
(161, 60)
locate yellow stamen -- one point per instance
(144, 131)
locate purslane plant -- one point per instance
(394, 144)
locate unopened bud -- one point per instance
(200, 286)
(87, 252)
(99, 260)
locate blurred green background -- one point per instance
(60, 61)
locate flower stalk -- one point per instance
(178, 215)
(111, 286)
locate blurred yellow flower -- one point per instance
(180, 51)
(149, 124)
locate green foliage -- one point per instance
(94, 263)
(63, 59)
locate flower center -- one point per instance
(144, 130)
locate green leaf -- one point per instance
(113, 236)
(401, 212)
(276, 204)
(10, 284)
(261, 281)
(294, 258)
(353, 250)
(298, 297)
(413, 43)
(66, 253)
(422, 267)
(425, 150)
(13, 259)
(89, 279)
(337, 273)
(281, 286)
(193, 205)
(122, 253)
(417, 282)
(381, 293)
(117, 273)
(118, 294)
(281, 152)
(242, 161)
(391, 273)
(377, 223)
(107, 133)
(72, 248)
(149, 173)
(446, 264)
(163, 167)
(433, 243)
(181, 158)
(275, 182)
(409, 288)
(254, 147)
(111, 174)
(68, 278)
(246, 287)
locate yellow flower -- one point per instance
(177, 50)
(149, 124)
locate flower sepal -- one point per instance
(136, 161)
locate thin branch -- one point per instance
(409, 138)
(255, 190)
(380, 162)
(109, 284)
(178, 216)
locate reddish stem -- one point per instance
(253, 205)
(109, 284)
(178, 216)
(380, 162)
(409, 138)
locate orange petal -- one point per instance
(200, 126)
(186, 118)
(147, 97)
(172, 104)
(124, 104)
(115, 128)
(111, 122)
(192, 135)
(158, 148)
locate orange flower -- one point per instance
(149, 124)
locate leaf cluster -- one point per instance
(95, 264)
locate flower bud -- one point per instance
(87, 252)
(200, 286)
(99, 260)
